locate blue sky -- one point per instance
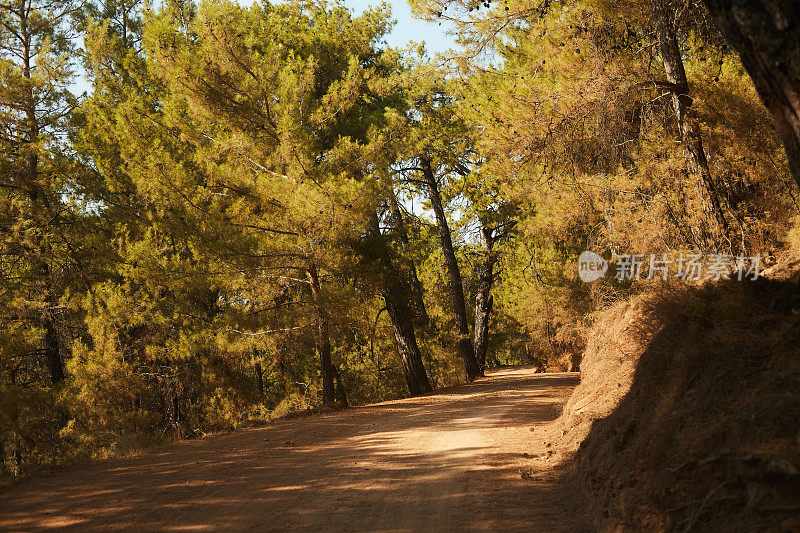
(407, 27)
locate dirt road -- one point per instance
(451, 461)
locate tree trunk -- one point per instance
(341, 396)
(465, 348)
(259, 378)
(52, 350)
(766, 33)
(322, 340)
(402, 319)
(421, 317)
(36, 197)
(176, 415)
(400, 313)
(690, 133)
(484, 300)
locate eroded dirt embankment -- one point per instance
(688, 412)
(451, 461)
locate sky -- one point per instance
(407, 27)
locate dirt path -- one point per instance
(450, 461)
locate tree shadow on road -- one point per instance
(446, 461)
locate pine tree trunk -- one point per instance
(176, 416)
(322, 340)
(465, 348)
(395, 294)
(690, 134)
(52, 350)
(402, 320)
(259, 379)
(38, 199)
(52, 346)
(420, 312)
(341, 395)
(484, 301)
(766, 33)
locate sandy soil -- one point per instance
(450, 461)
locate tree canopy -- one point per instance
(259, 209)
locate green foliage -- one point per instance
(578, 133)
(158, 235)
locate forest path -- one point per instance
(449, 461)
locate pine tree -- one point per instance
(34, 108)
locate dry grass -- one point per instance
(688, 413)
